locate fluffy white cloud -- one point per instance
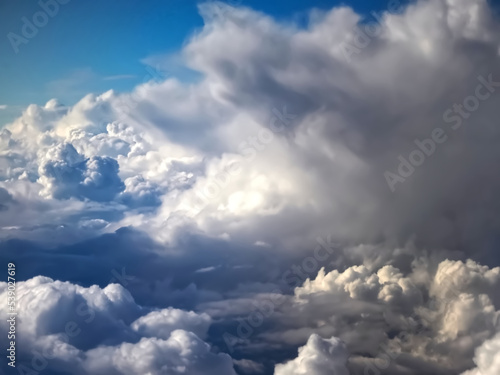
(318, 357)
(85, 160)
(103, 331)
(387, 285)
(46, 306)
(65, 173)
(487, 358)
(439, 319)
(181, 353)
(162, 323)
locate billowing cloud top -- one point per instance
(318, 357)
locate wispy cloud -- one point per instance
(73, 83)
(207, 269)
(3, 106)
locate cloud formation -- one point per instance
(487, 358)
(434, 318)
(62, 326)
(266, 100)
(209, 193)
(318, 357)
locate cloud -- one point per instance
(162, 323)
(72, 83)
(437, 318)
(348, 130)
(318, 357)
(187, 157)
(182, 353)
(94, 330)
(65, 174)
(3, 106)
(487, 359)
(207, 191)
(5, 199)
(249, 367)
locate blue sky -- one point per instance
(97, 46)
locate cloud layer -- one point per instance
(64, 327)
(211, 194)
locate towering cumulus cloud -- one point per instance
(330, 188)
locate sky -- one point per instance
(249, 187)
(95, 47)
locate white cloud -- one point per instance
(487, 358)
(162, 323)
(439, 319)
(182, 353)
(103, 331)
(318, 357)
